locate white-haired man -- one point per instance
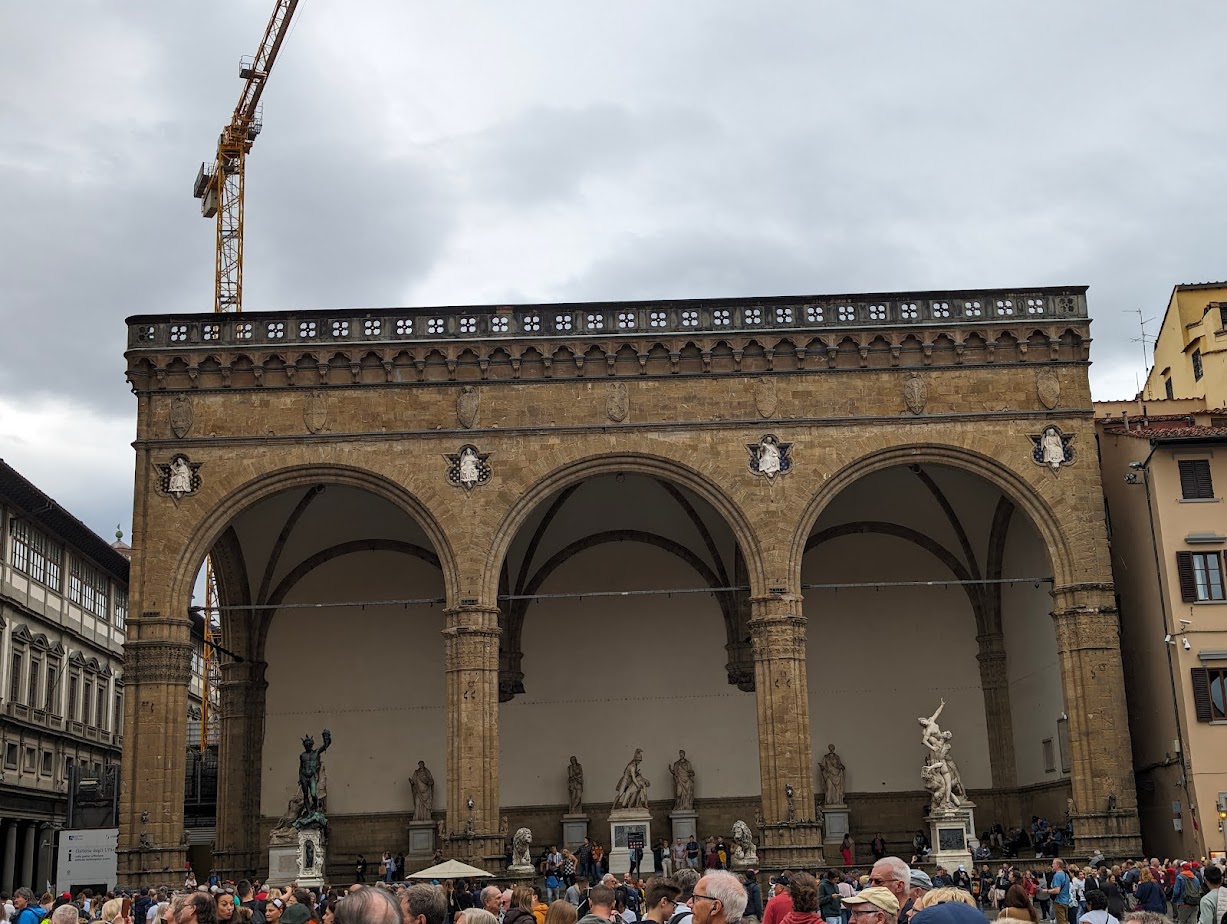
(892, 874)
(718, 898)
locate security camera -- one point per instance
(1187, 646)
(1168, 639)
(1185, 622)
(1135, 465)
(1131, 478)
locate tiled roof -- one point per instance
(1166, 434)
(44, 511)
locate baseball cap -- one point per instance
(949, 913)
(877, 896)
(920, 880)
(295, 914)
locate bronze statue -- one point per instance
(309, 768)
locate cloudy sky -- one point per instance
(466, 152)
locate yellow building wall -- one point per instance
(1192, 322)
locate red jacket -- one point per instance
(777, 908)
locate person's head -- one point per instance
(719, 897)
(368, 906)
(946, 895)
(245, 890)
(892, 874)
(296, 914)
(875, 904)
(225, 906)
(489, 899)
(197, 908)
(273, 909)
(22, 898)
(661, 899)
(609, 879)
(504, 900)
(581, 883)
(522, 898)
(302, 896)
(803, 890)
(1145, 917)
(918, 884)
(601, 900)
(1096, 900)
(686, 880)
(424, 904)
(1057, 865)
(476, 916)
(560, 912)
(65, 914)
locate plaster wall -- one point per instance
(606, 675)
(373, 676)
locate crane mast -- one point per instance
(219, 185)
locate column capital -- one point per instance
(471, 618)
(158, 661)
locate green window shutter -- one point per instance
(1201, 693)
(1188, 585)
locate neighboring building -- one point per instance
(63, 610)
(1191, 349)
(1164, 471)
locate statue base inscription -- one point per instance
(952, 832)
(835, 825)
(628, 828)
(685, 825)
(574, 830)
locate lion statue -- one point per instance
(520, 844)
(745, 853)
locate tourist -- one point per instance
(754, 895)
(1016, 906)
(661, 858)
(577, 891)
(225, 908)
(423, 904)
(598, 859)
(519, 906)
(65, 914)
(830, 902)
(197, 908)
(918, 884)
(847, 849)
(560, 912)
(1058, 891)
(719, 898)
(780, 904)
(247, 899)
(686, 880)
(692, 852)
(26, 910)
(876, 904)
(878, 847)
(1186, 894)
(584, 855)
(600, 905)
(1097, 909)
(678, 851)
(296, 913)
(895, 876)
(372, 906)
(1213, 903)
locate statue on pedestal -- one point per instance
(940, 773)
(745, 853)
(632, 789)
(683, 783)
(575, 786)
(832, 769)
(521, 850)
(422, 785)
(310, 782)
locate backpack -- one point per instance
(1190, 890)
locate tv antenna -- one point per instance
(1144, 338)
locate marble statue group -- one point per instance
(940, 773)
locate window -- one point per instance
(69, 763)
(1063, 744)
(1201, 576)
(87, 587)
(15, 677)
(87, 700)
(121, 608)
(1197, 371)
(10, 756)
(53, 677)
(70, 708)
(1209, 693)
(100, 719)
(1168, 389)
(118, 727)
(35, 554)
(45, 770)
(1050, 756)
(31, 761)
(1195, 479)
(36, 674)
(1222, 316)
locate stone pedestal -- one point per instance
(627, 826)
(574, 830)
(685, 825)
(791, 845)
(835, 825)
(301, 862)
(953, 833)
(421, 850)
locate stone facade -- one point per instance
(554, 395)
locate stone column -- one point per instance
(997, 714)
(471, 643)
(43, 861)
(1092, 678)
(28, 842)
(777, 630)
(243, 691)
(158, 669)
(8, 874)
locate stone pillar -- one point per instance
(29, 841)
(1093, 682)
(471, 658)
(158, 670)
(44, 856)
(8, 874)
(997, 714)
(777, 630)
(243, 691)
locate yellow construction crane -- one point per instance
(219, 185)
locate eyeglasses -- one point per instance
(874, 880)
(855, 911)
(710, 898)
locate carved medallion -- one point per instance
(1048, 386)
(618, 402)
(178, 478)
(315, 411)
(181, 416)
(467, 405)
(1052, 448)
(468, 468)
(915, 393)
(764, 396)
(769, 457)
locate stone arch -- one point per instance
(211, 527)
(1011, 484)
(659, 467)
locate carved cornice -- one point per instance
(406, 345)
(158, 662)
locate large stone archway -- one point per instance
(545, 397)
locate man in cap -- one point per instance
(874, 905)
(296, 913)
(780, 904)
(918, 884)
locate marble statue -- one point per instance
(468, 467)
(283, 830)
(1052, 448)
(950, 792)
(521, 850)
(792, 809)
(936, 786)
(180, 477)
(745, 853)
(310, 769)
(575, 786)
(422, 785)
(632, 789)
(683, 783)
(832, 769)
(768, 456)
